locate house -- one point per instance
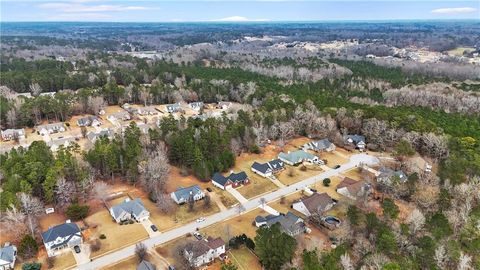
(50, 94)
(12, 134)
(299, 156)
(269, 168)
(146, 265)
(93, 121)
(8, 255)
(354, 189)
(181, 195)
(124, 116)
(128, 210)
(232, 181)
(386, 175)
(173, 108)
(61, 236)
(94, 136)
(320, 146)
(356, 140)
(204, 251)
(50, 128)
(197, 106)
(290, 223)
(56, 143)
(144, 128)
(150, 110)
(314, 204)
(224, 105)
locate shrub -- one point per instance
(95, 245)
(103, 236)
(50, 262)
(32, 266)
(28, 247)
(76, 211)
(130, 221)
(326, 182)
(255, 149)
(303, 168)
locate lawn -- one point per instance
(118, 236)
(235, 226)
(354, 174)
(127, 264)
(337, 157)
(244, 259)
(257, 186)
(63, 261)
(294, 174)
(330, 190)
(286, 205)
(227, 199)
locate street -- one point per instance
(249, 205)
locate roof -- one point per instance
(387, 173)
(215, 243)
(356, 138)
(134, 207)
(261, 167)
(7, 253)
(197, 248)
(355, 188)
(173, 106)
(120, 114)
(220, 179)
(185, 192)
(52, 125)
(62, 230)
(94, 135)
(11, 131)
(233, 177)
(346, 182)
(145, 265)
(289, 222)
(319, 145)
(87, 120)
(276, 164)
(317, 201)
(296, 156)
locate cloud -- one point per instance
(239, 19)
(81, 8)
(79, 16)
(458, 10)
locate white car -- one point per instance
(202, 219)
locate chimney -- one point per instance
(231, 171)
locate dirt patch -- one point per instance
(49, 220)
(176, 180)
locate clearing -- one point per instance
(244, 259)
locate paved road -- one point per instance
(166, 236)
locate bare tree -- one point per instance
(263, 202)
(100, 190)
(145, 95)
(207, 202)
(31, 207)
(464, 262)
(346, 262)
(64, 192)
(165, 203)
(12, 117)
(141, 251)
(441, 256)
(240, 208)
(156, 169)
(416, 220)
(14, 222)
(95, 104)
(35, 89)
(191, 203)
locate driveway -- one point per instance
(237, 195)
(276, 181)
(147, 225)
(115, 256)
(83, 256)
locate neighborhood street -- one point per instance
(248, 205)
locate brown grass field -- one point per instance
(128, 264)
(244, 259)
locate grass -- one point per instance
(334, 158)
(227, 199)
(244, 259)
(354, 174)
(129, 263)
(330, 190)
(117, 235)
(288, 201)
(63, 261)
(298, 173)
(257, 186)
(236, 226)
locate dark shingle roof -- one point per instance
(145, 265)
(238, 177)
(318, 201)
(261, 167)
(184, 193)
(62, 230)
(220, 179)
(134, 207)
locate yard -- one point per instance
(227, 199)
(117, 235)
(63, 261)
(285, 206)
(293, 174)
(128, 264)
(337, 157)
(244, 259)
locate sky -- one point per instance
(234, 11)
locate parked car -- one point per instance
(170, 267)
(209, 189)
(77, 249)
(197, 235)
(154, 228)
(336, 166)
(201, 219)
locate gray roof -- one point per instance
(134, 207)
(289, 223)
(11, 132)
(51, 126)
(387, 172)
(8, 253)
(145, 265)
(62, 230)
(94, 135)
(87, 121)
(319, 145)
(296, 156)
(234, 177)
(273, 165)
(356, 138)
(184, 193)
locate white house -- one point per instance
(297, 157)
(12, 134)
(172, 108)
(320, 146)
(149, 110)
(269, 168)
(93, 121)
(8, 255)
(124, 116)
(197, 106)
(314, 204)
(128, 210)
(94, 136)
(51, 128)
(356, 140)
(204, 251)
(224, 105)
(181, 195)
(61, 236)
(56, 143)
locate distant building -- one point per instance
(50, 128)
(8, 255)
(56, 143)
(289, 223)
(232, 181)
(314, 204)
(173, 108)
(197, 106)
(387, 175)
(129, 210)
(204, 251)
(297, 157)
(269, 168)
(12, 134)
(93, 121)
(320, 146)
(150, 110)
(224, 105)
(94, 136)
(181, 195)
(123, 116)
(358, 141)
(354, 189)
(62, 236)
(146, 265)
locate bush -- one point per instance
(303, 168)
(28, 247)
(76, 211)
(131, 221)
(50, 262)
(242, 239)
(95, 245)
(326, 182)
(152, 196)
(103, 236)
(255, 149)
(32, 266)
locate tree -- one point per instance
(404, 148)
(416, 220)
(263, 202)
(346, 262)
(326, 182)
(229, 266)
(100, 190)
(191, 203)
(32, 266)
(165, 203)
(156, 169)
(353, 215)
(77, 212)
(14, 222)
(141, 251)
(439, 226)
(64, 191)
(273, 247)
(28, 247)
(240, 208)
(390, 209)
(32, 207)
(207, 202)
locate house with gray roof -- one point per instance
(290, 223)
(50, 128)
(314, 204)
(146, 265)
(172, 108)
(93, 136)
(8, 255)
(358, 141)
(55, 144)
(149, 110)
(231, 181)
(387, 176)
(62, 236)
(12, 134)
(269, 168)
(129, 210)
(299, 156)
(197, 106)
(123, 115)
(320, 146)
(182, 195)
(204, 251)
(93, 121)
